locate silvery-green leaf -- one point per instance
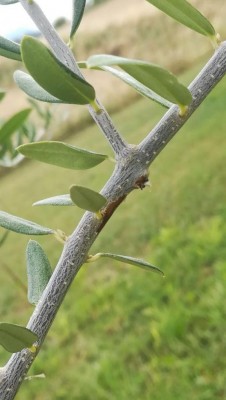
(61, 154)
(52, 75)
(9, 49)
(38, 271)
(87, 199)
(6, 2)
(61, 200)
(32, 88)
(20, 225)
(131, 260)
(152, 76)
(139, 87)
(15, 338)
(183, 12)
(78, 11)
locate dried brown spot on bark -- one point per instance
(109, 210)
(141, 182)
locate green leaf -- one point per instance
(6, 2)
(53, 76)
(61, 154)
(9, 49)
(185, 13)
(38, 271)
(130, 260)
(78, 11)
(2, 94)
(87, 199)
(61, 200)
(152, 76)
(14, 123)
(15, 338)
(139, 87)
(20, 225)
(32, 88)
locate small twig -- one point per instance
(171, 122)
(65, 55)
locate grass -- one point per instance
(123, 333)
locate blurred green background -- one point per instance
(123, 333)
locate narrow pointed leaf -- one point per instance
(20, 225)
(152, 76)
(61, 154)
(139, 87)
(9, 49)
(87, 199)
(15, 338)
(6, 2)
(78, 11)
(2, 95)
(183, 12)
(32, 88)
(38, 271)
(131, 260)
(61, 200)
(14, 123)
(52, 75)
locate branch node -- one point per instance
(142, 182)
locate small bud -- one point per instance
(33, 349)
(183, 111)
(60, 236)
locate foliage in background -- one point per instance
(17, 130)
